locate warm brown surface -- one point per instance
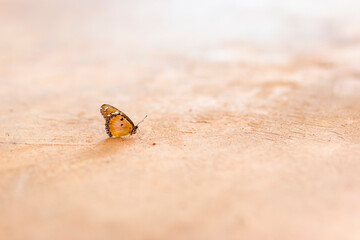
(253, 128)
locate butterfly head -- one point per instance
(137, 126)
(134, 130)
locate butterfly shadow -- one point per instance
(112, 145)
(104, 150)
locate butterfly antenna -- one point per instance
(141, 120)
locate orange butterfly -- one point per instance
(117, 123)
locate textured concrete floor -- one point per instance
(253, 128)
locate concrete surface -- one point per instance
(253, 128)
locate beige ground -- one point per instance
(253, 128)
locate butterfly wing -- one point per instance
(107, 110)
(117, 123)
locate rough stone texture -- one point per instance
(253, 128)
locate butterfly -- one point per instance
(117, 123)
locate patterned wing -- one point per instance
(118, 125)
(108, 110)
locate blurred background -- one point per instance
(252, 130)
(58, 41)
